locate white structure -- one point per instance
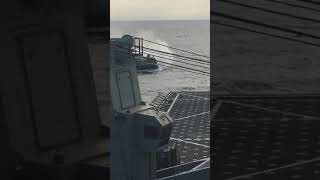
(137, 131)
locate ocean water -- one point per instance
(193, 35)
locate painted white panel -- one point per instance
(126, 93)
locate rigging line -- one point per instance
(310, 1)
(200, 62)
(180, 56)
(223, 15)
(176, 55)
(270, 11)
(199, 71)
(176, 48)
(193, 71)
(205, 72)
(294, 5)
(266, 34)
(128, 55)
(184, 69)
(180, 61)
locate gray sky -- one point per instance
(159, 9)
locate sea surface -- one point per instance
(193, 36)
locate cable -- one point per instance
(264, 25)
(270, 11)
(180, 61)
(310, 1)
(169, 64)
(176, 55)
(266, 34)
(182, 58)
(176, 48)
(294, 5)
(167, 56)
(184, 67)
(199, 71)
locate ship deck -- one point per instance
(266, 137)
(191, 130)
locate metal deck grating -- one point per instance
(189, 152)
(196, 130)
(189, 107)
(191, 129)
(266, 138)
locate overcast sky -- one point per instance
(159, 9)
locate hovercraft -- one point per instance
(147, 64)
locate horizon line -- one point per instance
(161, 20)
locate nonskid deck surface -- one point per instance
(191, 131)
(267, 137)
